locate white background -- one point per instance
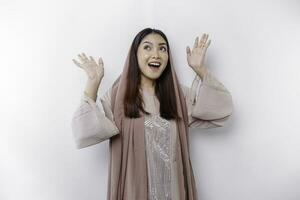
(255, 52)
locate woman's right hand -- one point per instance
(94, 70)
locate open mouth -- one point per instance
(154, 64)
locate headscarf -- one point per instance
(127, 178)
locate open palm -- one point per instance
(94, 70)
(196, 57)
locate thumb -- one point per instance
(188, 51)
(100, 61)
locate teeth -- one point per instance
(155, 64)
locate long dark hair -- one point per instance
(164, 87)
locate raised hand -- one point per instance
(94, 70)
(196, 57)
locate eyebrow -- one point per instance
(158, 44)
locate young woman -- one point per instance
(147, 113)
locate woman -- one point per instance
(148, 112)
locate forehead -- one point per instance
(153, 38)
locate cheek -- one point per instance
(166, 59)
(142, 59)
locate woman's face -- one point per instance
(152, 55)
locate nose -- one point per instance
(155, 54)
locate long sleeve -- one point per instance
(211, 105)
(90, 125)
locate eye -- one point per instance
(163, 49)
(147, 47)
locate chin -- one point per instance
(153, 77)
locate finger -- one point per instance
(202, 40)
(188, 50)
(196, 42)
(92, 59)
(84, 56)
(76, 63)
(100, 61)
(205, 38)
(81, 58)
(208, 43)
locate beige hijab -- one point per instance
(127, 179)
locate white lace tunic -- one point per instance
(159, 144)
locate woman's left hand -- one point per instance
(196, 57)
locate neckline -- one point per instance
(147, 92)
